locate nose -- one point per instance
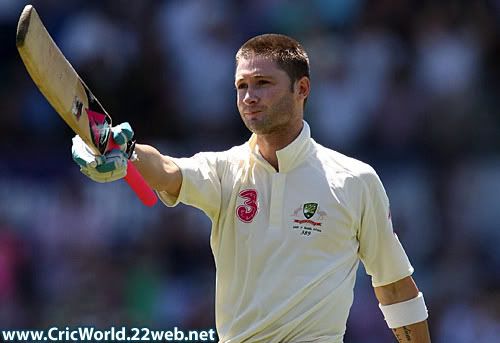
(250, 97)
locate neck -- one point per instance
(272, 142)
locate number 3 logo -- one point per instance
(247, 212)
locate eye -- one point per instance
(241, 85)
(262, 82)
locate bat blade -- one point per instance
(68, 94)
(53, 74)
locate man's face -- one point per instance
(265, 98)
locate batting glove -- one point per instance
(110, 166)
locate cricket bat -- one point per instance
(69, 95)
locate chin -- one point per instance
(261, 126)
(253, 125)
(259, 130)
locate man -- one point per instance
(290, 218)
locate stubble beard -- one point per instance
(272, 120)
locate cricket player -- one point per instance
(291, 219)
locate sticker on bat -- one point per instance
(99, 121)
(99, 129)
(76, 109)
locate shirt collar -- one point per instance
(290, 156)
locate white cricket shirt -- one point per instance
(287, 244)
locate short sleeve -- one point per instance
(379, 248)
(201, 186)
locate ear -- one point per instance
(303, 87)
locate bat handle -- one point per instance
(136, 181)
(139, 186)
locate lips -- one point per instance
(251, 112)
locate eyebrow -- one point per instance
(258, 76)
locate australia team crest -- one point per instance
(309, 209)
(308, 219)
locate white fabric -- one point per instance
(405, 313)
(283, 277)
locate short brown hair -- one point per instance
(285, 51)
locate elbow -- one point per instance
(399, 291)
(169, 180)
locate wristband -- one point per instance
(405, 313)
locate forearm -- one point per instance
(414, 333)
(405, 293)
(159, 171)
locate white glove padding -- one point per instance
(100, 168)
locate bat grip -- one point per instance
(139, 186)
(136, 181)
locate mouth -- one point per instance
(251, 113)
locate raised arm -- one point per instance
(400, 301)
(159, 171)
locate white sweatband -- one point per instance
(405, 313)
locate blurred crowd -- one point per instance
(411, 87)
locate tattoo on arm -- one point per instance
(403, 334)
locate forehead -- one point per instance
(256, 66)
